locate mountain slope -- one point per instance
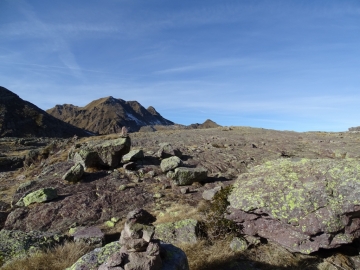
(108, 115)
(20, 118)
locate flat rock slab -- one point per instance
(302, 204)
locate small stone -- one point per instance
(210, 193)
(238, 244)
(185, 190)
(122, 187)
(158, 195)
(115, 219)
(109, 224)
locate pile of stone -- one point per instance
(139, 250)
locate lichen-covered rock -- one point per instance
(15, 244)
(104, 153)
(93, 259)
(301, 204)
(39, 196)
(133, 155)
(238, 244)
(183, 231)
(170, 163)
(183, 176)
(74, 174)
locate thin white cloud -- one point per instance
(57, 43)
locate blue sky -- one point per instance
(279, 64)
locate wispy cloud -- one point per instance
(57, 43)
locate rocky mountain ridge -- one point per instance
(108, 115)
(20, 118)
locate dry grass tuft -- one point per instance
(177, 212)
(57, 258)
(203, 256)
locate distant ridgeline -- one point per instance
(354, 129)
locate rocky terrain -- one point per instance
(108, 115)
(19, 118)
(299, 191)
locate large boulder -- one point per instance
(15, 244)
(183, 176)
(302, 204)
(101, 154)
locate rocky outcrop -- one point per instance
(207, 124)
(101, 153)
(302, 204)
(108, 115)
(14, 244)
(183, 176)
(20, 118)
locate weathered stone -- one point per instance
(74, 174)
(90, 235)
(170, 163)
(167, 150)
(238, 244)
(15, 244)
(210, 193)
(105, 153)
(41, 195)
(133, 155)
(183, 231)
(301, 204)
(183, 176)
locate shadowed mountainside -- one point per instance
(108, 115)
(20, 118)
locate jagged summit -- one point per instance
(108, 115)
(20, 118)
